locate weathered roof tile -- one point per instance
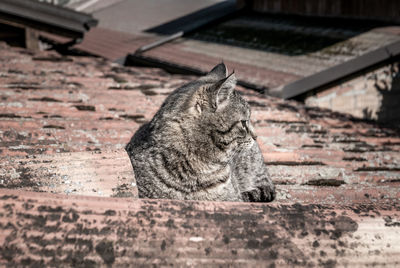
(63, 127)
(50, 106)
(42, 229)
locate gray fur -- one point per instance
(200, 145)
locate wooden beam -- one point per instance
(46, 17)
(31, 39)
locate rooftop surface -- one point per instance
(65, 120)
(267, 51)
(41, 229)
(274, 50)
(53, 104)
(56, 104)
(135, 16)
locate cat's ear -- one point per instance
(219, 72)
(221, 91)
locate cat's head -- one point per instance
(208, 114)
(220, 112)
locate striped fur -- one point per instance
(200, 145)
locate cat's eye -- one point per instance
(244, 124)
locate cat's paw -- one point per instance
(263, 193)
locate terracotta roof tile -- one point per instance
(41, 229)
(98, 173)
(69, 118)
(75, 104)
(107, 43)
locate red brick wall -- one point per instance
(382, 10)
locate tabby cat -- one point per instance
(200, 145)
